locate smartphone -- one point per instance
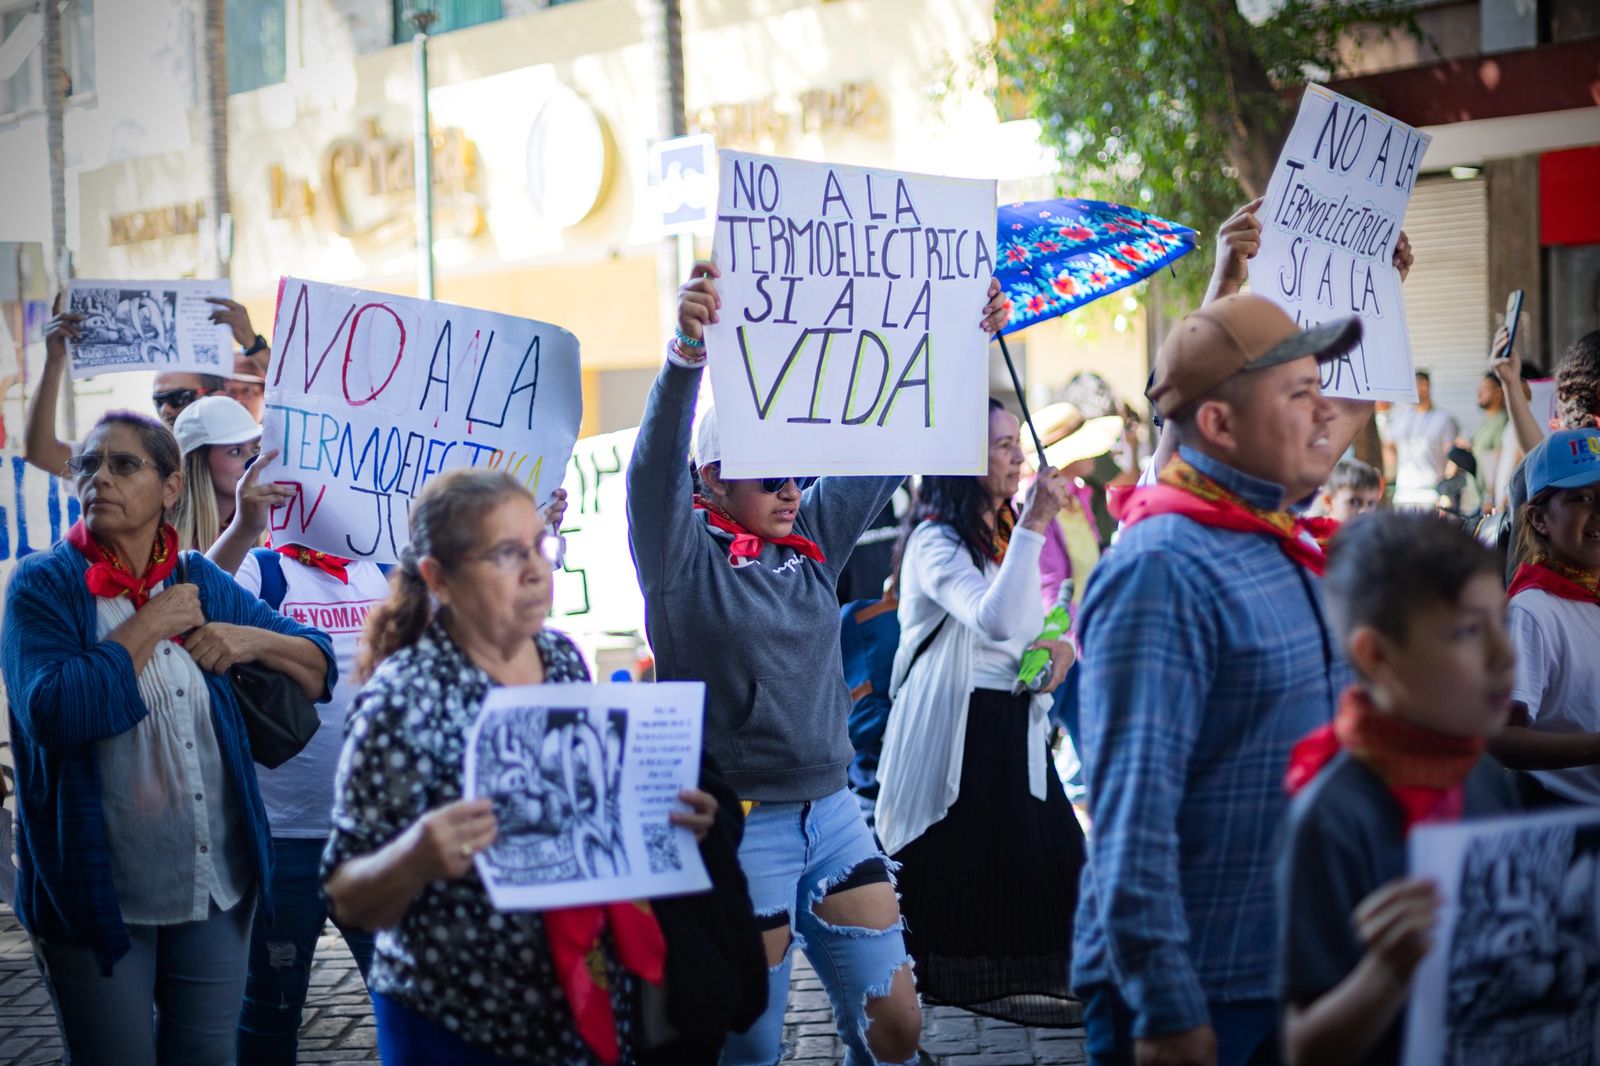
(1513, 316)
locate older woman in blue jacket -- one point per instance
(142, 838)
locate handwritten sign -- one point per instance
(149, 325)
(1330, 224)
(1513, 976)
(849, 338)
(35, 510)
(597, 588)
(584, 779)
(370, 396)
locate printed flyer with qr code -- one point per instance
(584, 779)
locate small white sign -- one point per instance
(1513, 978)
(149, 325)
(1330, 224)
(583, 779)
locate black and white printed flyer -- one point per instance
(583, 779)
(1513, 977)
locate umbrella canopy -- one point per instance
(1054, 256)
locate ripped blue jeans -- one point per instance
(792, 854)
(281, 953)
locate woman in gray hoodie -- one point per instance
(739, 586)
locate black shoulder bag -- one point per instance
(278, 718)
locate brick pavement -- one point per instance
(338, 1020)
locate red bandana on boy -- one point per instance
(1186, 491)
(328, 564)
(747, 545)
(573, 936)
(108, 578)
(1567, 582)
(1423, 769)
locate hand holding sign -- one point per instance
(1331, 243)
(856, 284)
(698, 301)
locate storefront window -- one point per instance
(77, 44)
(453, 15)
(256, 44)
(20, 90)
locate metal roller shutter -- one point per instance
(1447, 292)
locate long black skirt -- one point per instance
(989, 891)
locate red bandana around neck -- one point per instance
(108, 577)
(747, 545)
(1185, 491)
(328, 564)
(1424, 770)
(574, 938)
(1550, 576)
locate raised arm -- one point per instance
(1507, 366)
(232, 313)
(41, 446)
(662, 527)
(252, 508)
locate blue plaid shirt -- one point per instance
(1206, 655)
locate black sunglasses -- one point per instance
(174, 398)
(121, 464)
(775, 484)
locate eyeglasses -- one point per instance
(512, 557)
(179, 398)
(121, 464)
(775, 484)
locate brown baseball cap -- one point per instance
(1233, 334)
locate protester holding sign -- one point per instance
(454, 979)
(1420, 612)
(1206, 655)
(171, 393)
(970, 804)
(739, 588)
(143, 839)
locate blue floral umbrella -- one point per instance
(1054, 256)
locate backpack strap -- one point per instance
(274, 587)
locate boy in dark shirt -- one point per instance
(1420, 609)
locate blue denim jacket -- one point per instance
(67, 690)
(1206, 655)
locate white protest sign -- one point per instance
(370, 396)
(597, 588)
(1330, 224)
(149, 325)
(849, 338)
(1513, 977)
(583, 778)
(1543, 403)
(35, 510)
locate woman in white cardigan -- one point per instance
(970, 805)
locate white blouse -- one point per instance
(174, 825)
(989, 616)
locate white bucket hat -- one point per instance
(214, 420)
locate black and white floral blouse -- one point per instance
(482, 974)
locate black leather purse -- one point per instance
(278, 718)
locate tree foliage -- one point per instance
(1177, 106)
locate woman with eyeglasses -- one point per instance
(740, 592)
(969, 802)
(455, 980)
(170, 394)
(142, 837)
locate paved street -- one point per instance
(338, 1022)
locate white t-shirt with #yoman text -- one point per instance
(299, 794)
(1558, 677)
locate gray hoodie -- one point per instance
(763, 637)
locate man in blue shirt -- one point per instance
(1206, 656)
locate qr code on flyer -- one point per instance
(661, 847)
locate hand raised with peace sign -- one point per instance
(253, 501)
